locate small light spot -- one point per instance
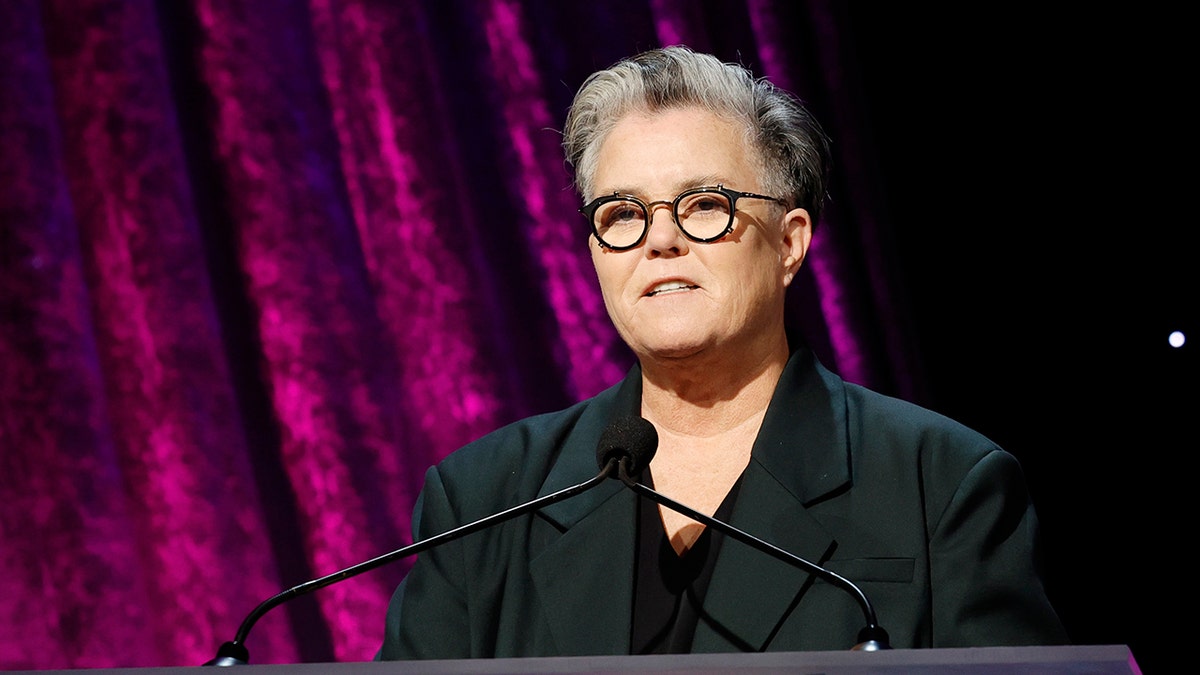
(1176, 338)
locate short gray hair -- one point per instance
(792, 148)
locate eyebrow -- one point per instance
(710, 180)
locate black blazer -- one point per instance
(931, 519)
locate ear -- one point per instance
(797, 236)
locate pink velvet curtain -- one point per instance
(264, 262)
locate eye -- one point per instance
(626, 212)
(620, 214)
(704, 205)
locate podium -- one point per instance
(1068, 660)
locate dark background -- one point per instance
(1036, 166)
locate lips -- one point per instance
(671, 286)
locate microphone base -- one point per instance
(231, 654)
(872, 639)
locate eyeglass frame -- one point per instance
(589, 212)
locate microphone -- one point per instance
(234, 652)
(632, 442)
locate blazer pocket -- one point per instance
(898, 570)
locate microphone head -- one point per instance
(632, 438)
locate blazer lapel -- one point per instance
(584, 579)
(800, 456)
(584, 574)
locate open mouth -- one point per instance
(669, 287)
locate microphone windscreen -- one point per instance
(633, 437)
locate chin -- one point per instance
(670, 350)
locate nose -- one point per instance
(663, 236)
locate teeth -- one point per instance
(669, 286)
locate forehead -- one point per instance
(649, 154)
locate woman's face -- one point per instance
(671, 297)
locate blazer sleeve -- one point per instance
(427, 617)
(987, 588)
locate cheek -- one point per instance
(759, 282)
(610, 273)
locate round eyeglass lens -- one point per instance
(703, 215)
(620, 222)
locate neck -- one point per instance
(710, 393)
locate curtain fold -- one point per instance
(161, 492)
(55, 437)
(265, 262)
(582, 335)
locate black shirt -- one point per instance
(668, 592)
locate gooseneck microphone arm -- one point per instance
(871, 638)
(234, 653)
(633, 440)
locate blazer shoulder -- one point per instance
(873, 413)
(891, 437)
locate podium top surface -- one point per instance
(1061, 660)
